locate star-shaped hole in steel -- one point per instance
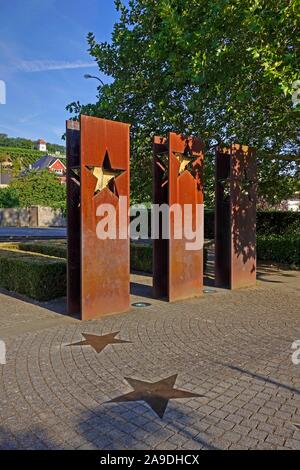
(225, 183)
(98, 343)
(187, 162)
(246, 184)
(75, 178)
(162, 163)
(75, 174)
(105, 175)
(155, 394)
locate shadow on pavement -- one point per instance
(262, 378)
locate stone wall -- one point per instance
(48, 217)
(35, 216)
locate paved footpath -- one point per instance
(23, 233)
(230, 350)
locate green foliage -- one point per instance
(55, 248)
(40, 188)
(279, 248)
(278, 235)
(209, 223)
(267, 223)
(140, 254)
(38, 277)
(9, 197)
(141, 257)
(278, 223)
(222, 70)
(6, 141)
(20, 143)
(21, 152)
(20, 158)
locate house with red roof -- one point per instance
(51, 163)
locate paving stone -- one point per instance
(242, 430)
(268, 428)
(277, 441)
(234, 418)
(258, 434)
(233, 348)
(248, 443)
(226, 425)
(293, 444)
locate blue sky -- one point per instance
(43, 57)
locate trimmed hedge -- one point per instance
(141, 257)
(140, 253)
(278, 223)
(279, 248)
(268, 223)
(43, 277)
(39, 271)
(57, 249)
(39, 277)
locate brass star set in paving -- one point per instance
(155, 394)
(98, 343)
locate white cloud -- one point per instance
(45, 65)
(28, 118)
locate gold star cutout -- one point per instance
(98, 343)
(155, 394)
(103, 177)
(104, 174)
(183, 163)
(186, 161)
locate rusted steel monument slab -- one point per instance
(235, 217)
(178, 180)
(97, 174)
(73, 216)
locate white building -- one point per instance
(41, 145)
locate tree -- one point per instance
(39, 188)
(9, 198)
(221, 69)
(27, 144)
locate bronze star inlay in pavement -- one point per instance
(155, 394)
(98, 343)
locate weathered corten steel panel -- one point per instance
(185, 187)
(178, 179)
(97, 173)
(160, 196)
(235, 222)
(104, 179)
(73, 216)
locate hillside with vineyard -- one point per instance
(20, 158)
(20, 142)
(21, 152)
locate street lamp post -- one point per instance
(87, 75)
